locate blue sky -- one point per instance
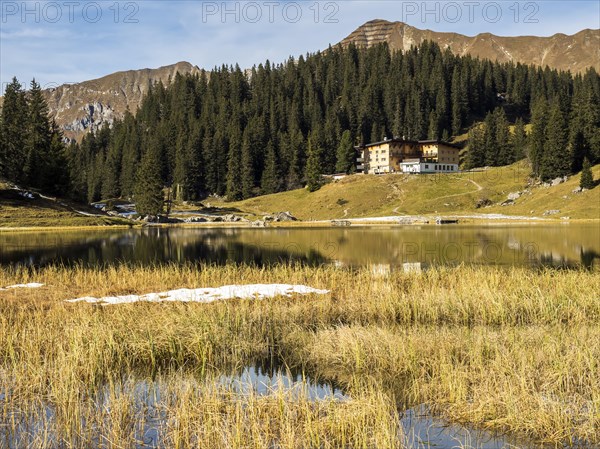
(72, 41)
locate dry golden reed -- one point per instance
(513, 350)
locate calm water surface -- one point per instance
(408, 247)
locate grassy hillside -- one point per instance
(374, 196)
(17, 210)
(358, 196)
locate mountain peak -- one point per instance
(89, 105)
(575, 53)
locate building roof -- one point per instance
(374, 144)
(439, 142)
(416, 142)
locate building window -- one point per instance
(426, 165)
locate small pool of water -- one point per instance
(262, 382)
(422, 430)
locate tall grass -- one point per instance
(505, 349)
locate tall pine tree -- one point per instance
(346, 154)
(38, 137)
(270, 182)
(12, 123)
(313, 167)
(149, 195)
(555, 160)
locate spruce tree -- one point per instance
(346, 154)
(195, 179)
(181, 167)
(491, 149)
(247, 167)
(112, 168)
(270, 181)
(149, 195)
(503, 145)
(519, 140)
(234, 168)
(587, 178)
(38, 137)
(313, 167)
(459, 100)
(296, 162)
(555, 161)
(131, 155)
(12, 122)
(476, 155)
(56, 175)
(537, 137)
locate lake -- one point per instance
(386, 248)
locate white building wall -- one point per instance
(428, 167)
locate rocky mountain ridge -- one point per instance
(89, 105)
(575, 53)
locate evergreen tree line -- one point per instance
(31, 145)
(566, 127)
(492, 144)
(280, 127)
(565, 130)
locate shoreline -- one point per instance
(395, 221)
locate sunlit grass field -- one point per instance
(363, 196)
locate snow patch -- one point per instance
(208, 295)
(30, 285)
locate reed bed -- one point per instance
(180, 411)
(512, 350)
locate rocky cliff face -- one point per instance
(575, 53)
(90, 105)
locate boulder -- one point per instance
(514, 196)
(259, 224)
(483, 202)
(551, 212)
(578, 190)
(196, 220)
(284, 216)
(233, 218)
(558, 181)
